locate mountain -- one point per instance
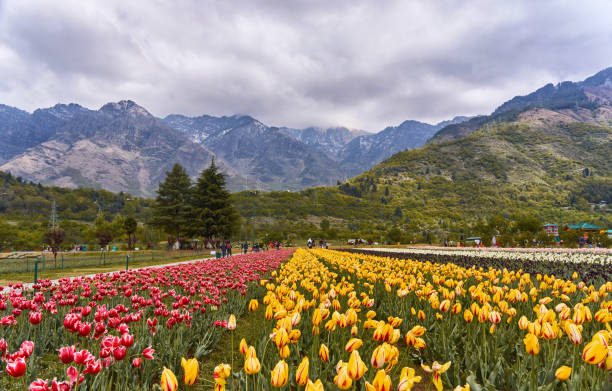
(292, 159)
(266, 157)
(20, 130)
(330, 141)
(560, 173)
(587, 101)
(540, 155)
(368, 150)
(120, 147)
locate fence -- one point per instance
(25, 263)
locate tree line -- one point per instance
(203, 208)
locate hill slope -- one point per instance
(586, 101)
(558, 171)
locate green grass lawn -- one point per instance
(55, 274)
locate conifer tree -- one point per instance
(214, 214)
(171, 209)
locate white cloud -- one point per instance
(363, 64)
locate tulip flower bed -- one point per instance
(336, 320)
(593, 268)
(117, 331)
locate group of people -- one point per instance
(257, 247)
(313, 243)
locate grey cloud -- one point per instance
(362, 64)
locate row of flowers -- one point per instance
(603, 257)
(114, 331)
(336, 320)
(567, 266)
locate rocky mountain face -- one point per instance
(330, 141)
(265, 157)
(333, 153)
(368, 150)
(120, 147)
(586, 101)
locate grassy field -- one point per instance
(54, 274)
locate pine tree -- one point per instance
(171, 209)
(213, 212)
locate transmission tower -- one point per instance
(53, 221)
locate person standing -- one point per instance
(229, 248)
(223, 249)
(246, 247)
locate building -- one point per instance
(551, 229)
(586, 227)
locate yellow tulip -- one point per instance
(282, 338)
(324, 353)
(494, 317)
(421, 315)
(284, 352)
(573, 333)
(269, 312)
(370, 315)
(407, 379)
(252, 365)
(438, 370)
(253, 305)
(354, 331)
(222, 371)
(456, 308)
(532, 345)
(353, 344)
(417, 330)
(294, 335)
(243, 347)
(464, 388)
(280, 374)
(468, 316)
(563, 373)
(231, 323)
(190, 370)
(168, 380)
(301, 374)
(594, 352)
(356, 367)
(382, 381)
(378, 357)
(523, 322)
(342, 379)
(330, 325)
(316, 386)
(445, 305)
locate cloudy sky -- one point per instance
(362, 64)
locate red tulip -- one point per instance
(84, 329)
(136, 362)
(16, 368)
(39, 385)
(66, 354)
(127, 340)
(26, 348)
(35, 317)
(148, 353)
(119, 353)
(93, 367)
(82, 356)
